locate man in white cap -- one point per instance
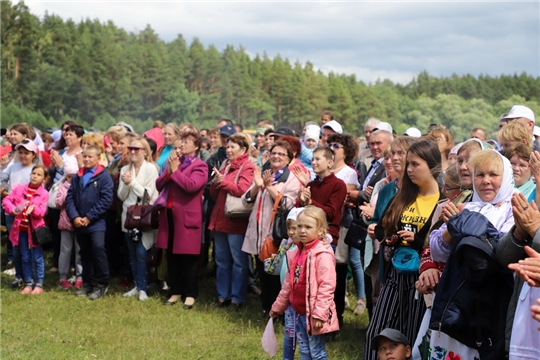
(364, 155)
(525, 116)
(331, 127)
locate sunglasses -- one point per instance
(136, 149)
(335, 146)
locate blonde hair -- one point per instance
(93, 138)
(515, 131)
(318, 214)
(174, 128)
(146, 146)
(116, 132)
(486, 158)
(248, 141)
(439, 132)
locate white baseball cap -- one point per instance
(383, 126)
(334, 125)
(413, 132)
(520, 111)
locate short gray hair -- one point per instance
(380, 131)
(372, 122)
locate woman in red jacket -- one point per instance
(181, 186)
(235, 178)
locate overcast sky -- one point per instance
(394, 40)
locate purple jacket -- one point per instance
(187, 189)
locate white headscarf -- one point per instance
(499, 211)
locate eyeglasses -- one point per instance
(521, 166)
(280, 154)
(136, 149)
(446, 188)
(335, 146)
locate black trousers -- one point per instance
(270, 286)
(182, 269)
(93, 258)
(341, 289)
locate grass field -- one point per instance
(58, 325)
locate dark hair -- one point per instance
(77, 129)
(206, 141)
(327, 152)
(195, 137)
(21, 128)
(329, 113)
(285, 145)
(238, 127)
(295, 143)
(152, 144)
(68, 123)
(350, 146)
(269, 131)
(240, 140)
(427, 151)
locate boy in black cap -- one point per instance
(391, 344)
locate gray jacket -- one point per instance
(510, 251)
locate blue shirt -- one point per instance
(374, 166)
(88, 173)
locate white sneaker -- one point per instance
(142, 295)
(132, 292)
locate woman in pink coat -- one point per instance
(235, 178)
(181, 186)
(310, 284)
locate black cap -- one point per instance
(390, 334)
(282, 131)
(227, 129)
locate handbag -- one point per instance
(51, 203)
(356, 235)
(270, 247)
(406, 260)
(142, 216)
(41, 235)
(279, 226)
(234, 208)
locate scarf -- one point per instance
(527, 188)
(499, 211)
(186, 161)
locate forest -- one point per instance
(53, 69)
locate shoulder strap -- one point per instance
(238, 174)
(274, 210)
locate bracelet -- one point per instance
(521, 242)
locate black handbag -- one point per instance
(41, 235)
(356, 235)
(279, 228)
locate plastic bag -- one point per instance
(269, 342)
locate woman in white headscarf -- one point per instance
(493, 186)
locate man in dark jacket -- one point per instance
(87, 201)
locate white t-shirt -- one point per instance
(348, 175)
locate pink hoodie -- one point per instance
(321, 284)
(39, 200)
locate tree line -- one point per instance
(98, 74)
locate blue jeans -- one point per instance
(13, 252)
(31, 258)
(232, 267)
(357, 271)
(137, 255)
(311, 347)
(289, 331)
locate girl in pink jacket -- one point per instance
(310, 284)
(29, 202)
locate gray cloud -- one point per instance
(394, 40)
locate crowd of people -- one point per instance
(447, 262)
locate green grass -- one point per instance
(58, 325)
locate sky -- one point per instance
(373, 40)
